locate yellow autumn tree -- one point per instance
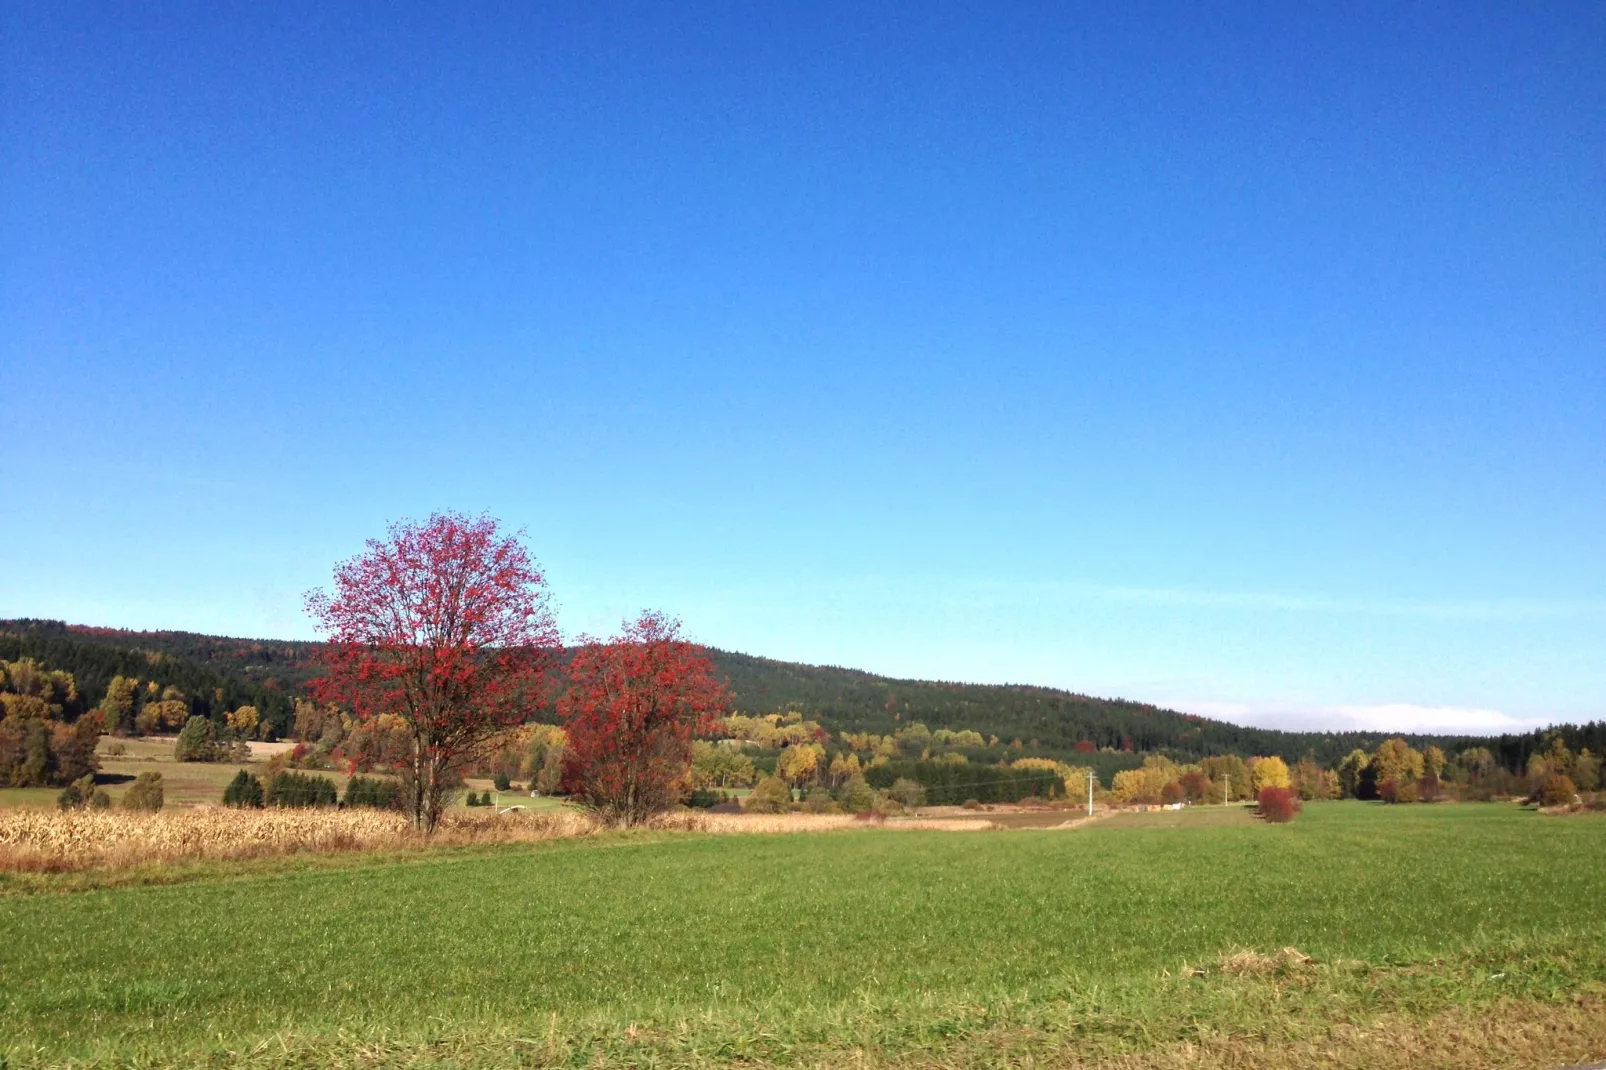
(843, 766)
(1130, 785)
(1074, 777)
(1227, 776)
(118, 704)
(719, 765)
(800, 763)
(1397, 760)
(1269, 772)
(243, 721)
(1145, 784)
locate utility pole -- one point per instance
(1090, 793)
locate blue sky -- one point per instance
(1250, 360)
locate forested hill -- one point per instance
(270, 673)
(1047, 720)
(212, 672)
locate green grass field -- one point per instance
(909, 947)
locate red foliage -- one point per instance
(1085, 746)
(445, 624)
(1279, 805)
(1429, 788)
(1195, 786)
(631, 708)
(1172, 793)
(1388, 789)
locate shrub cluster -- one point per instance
(951, 783)
(1279, 805)
(82, 793)
(145, 793)
(200, 741)
(373, 791)
(299, 789)
(244, 792)
(36, 750)
(1557, 790)
(769, 796)
(706, 798)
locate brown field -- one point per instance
(34, 840)
(51, 841)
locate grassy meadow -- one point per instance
(202, 783)
(1123, 940)
(183, 783)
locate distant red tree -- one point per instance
(632, 707)
(1085, 746)
(1278, 805)
(1195, 786)
(446, 625)
(1172, 793)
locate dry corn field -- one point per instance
(47, 841)
(53, 841)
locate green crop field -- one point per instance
(871, 946)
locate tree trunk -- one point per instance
(419, 787)
(432, 813)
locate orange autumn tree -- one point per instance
(446, 626)
(632, 706)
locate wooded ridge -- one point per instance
(270, 673)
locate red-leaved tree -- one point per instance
(446, 625)
(1278, 805)
(631, 708)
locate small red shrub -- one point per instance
(1388, 790)
(1172, 793)
(1279, 805)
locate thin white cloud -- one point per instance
(1384, 717)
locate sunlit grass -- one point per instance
(701, 948)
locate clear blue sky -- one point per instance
(1250, 359)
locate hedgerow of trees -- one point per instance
(46, 738)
